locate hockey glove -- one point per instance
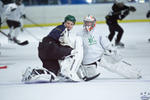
(124, 14)
(132, 9)
(65, 39)
(24, 16)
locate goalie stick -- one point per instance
(17, 42)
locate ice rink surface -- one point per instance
(108, 86)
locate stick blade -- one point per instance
(23, 43)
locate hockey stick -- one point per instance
(17, 42)
(126, 63)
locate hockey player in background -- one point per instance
(3, 6)
(15, 12)
(119, 12)
(98, 52)
(57, 53)
(1, 12)
(148, 16)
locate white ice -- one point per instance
(108, 86)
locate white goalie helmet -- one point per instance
(89, 22)
(37, 75)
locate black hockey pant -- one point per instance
(13, 24)
(115, 28)
(50, 53)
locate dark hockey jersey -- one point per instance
(117, 13)
(55, 34)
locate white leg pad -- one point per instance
(121, 68)
(70, 65)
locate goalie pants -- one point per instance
(50, 52)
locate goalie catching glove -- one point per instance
(65, 39)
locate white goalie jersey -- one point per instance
(94, 45)
(97, 47)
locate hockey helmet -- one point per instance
(120, 3)
(18, 2)
(70, 18)
(89, 22)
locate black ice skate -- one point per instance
(120, 44)
(148, 40)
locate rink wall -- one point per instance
(53, 15)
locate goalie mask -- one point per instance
(89, 22)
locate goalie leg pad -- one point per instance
(70, 65)
(121, 68)
(128, 71)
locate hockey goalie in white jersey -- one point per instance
(98, 52)
(91, 51)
